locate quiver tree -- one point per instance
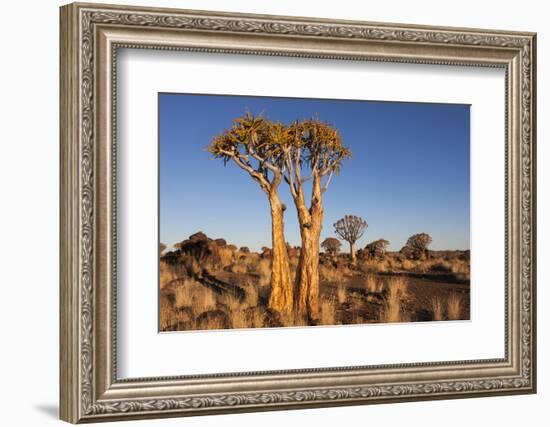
(417, 245)
(377, 249)
(254, 145)
(313, 151)
(331, 246)
(350, 228)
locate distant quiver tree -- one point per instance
(350, 228)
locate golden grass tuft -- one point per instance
(375, 266)
(454, 306)
(396, 294)
(329, 274)
(437, 308)
(328, 312)
(374, 285)
(408, 265)
(341, 293)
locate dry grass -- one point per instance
(374, 286)
(166, 274)
(461, 270)
(250, 261)
(191, 265)
(263, 269)
(454, 306)
(396, 294)
(329, 274)
(227, 256)
(437, 308)
(393, 264)
(251, 295)
(166, 312)
(408, 265)
(341, 293)
(195, 296)
(238, 268)
(374, 266)
(186, 304)
(328, 312)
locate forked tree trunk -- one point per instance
(307, 273)
(281, 298)
(352, 252)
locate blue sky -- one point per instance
(410, 170)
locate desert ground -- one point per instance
(208, 283)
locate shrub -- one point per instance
(331, 245)
(417, 246)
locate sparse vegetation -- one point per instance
(229, 288)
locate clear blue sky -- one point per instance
(410, 170)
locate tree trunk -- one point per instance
(352, 252)
(281, 298)
(307, 273)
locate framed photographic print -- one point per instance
(266, 212)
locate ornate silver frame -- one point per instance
(90, 36)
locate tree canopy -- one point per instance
(350, 228)
(331, 245)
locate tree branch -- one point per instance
(328, 181)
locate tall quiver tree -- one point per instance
(253, 144)
(314, 151)
(350, 228)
